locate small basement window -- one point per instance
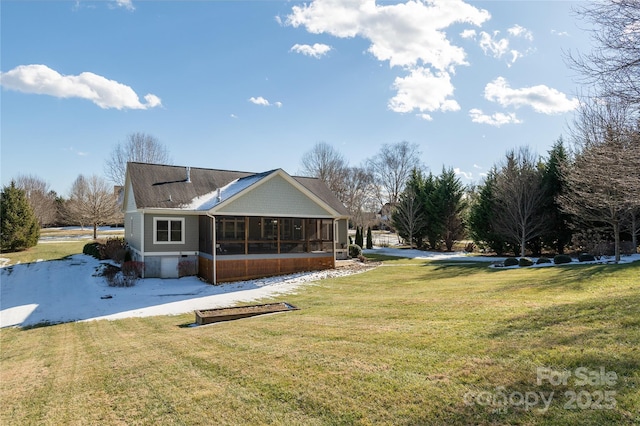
(168, 230)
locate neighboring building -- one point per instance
(265, 223)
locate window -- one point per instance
(168, 230)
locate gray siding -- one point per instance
(190, 238)
(131, 202)
(133, 229)
(275, 197)
(343, 233)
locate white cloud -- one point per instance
(541, 98)
(425, 117)
(423, 91)
(42, 80)
(259, 101)
(520, 31)
(498, 47)
(466, 175)
(497, 119)
(398, 32)
(263, 102)
(127, 4)
(318, 50)
(411, 35)
(560, 33)
(475, 166)
(468, 34)
(492, 45)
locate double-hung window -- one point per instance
(168, 230)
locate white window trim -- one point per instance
(169, 219)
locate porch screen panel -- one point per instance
(292, 236)
(320, 235)
(205, 238)
(263, 235)
(230, 234)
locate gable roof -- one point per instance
(163, 186)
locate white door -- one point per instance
(169, 267)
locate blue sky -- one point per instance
(253, 85)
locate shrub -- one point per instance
(92, 249)
(542, 260)
(127, 276)
(369, 238)
(511, 261)
(114, 249)
(525, 261)
(469, 247)
(19, 224)
(355, 250)
(561, 258)
(586, 257)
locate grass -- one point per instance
(45, 251)
(65, 244)
(408, 343)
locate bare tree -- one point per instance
(633, 225)
(391, 169)
(604, 179)
(41, 198)
(358, 192)
(408, 217)
(323, 161)
(519, 195)
(138, 147)
(93, 201)
(614, 63)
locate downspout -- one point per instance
(213, 247)
(142, 243)
(335, 241)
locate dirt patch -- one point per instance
(356, 265)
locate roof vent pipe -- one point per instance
(219, 195)
(188, 174)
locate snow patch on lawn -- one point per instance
(70, 290)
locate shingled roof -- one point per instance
(164, 186)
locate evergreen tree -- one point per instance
(448, 196)
(359, 237)
(369, 238)
(433, 208)
(19, 227)
(558, 235)
(480, 217)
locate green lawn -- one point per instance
(45, 251)
(410, 342)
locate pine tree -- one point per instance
(369, 238)
(433, 211)
(481, 214)
(448, 196)
(19, 227)
(359, 237)
(558, 235)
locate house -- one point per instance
(226, 226)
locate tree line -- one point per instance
(28, 204)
